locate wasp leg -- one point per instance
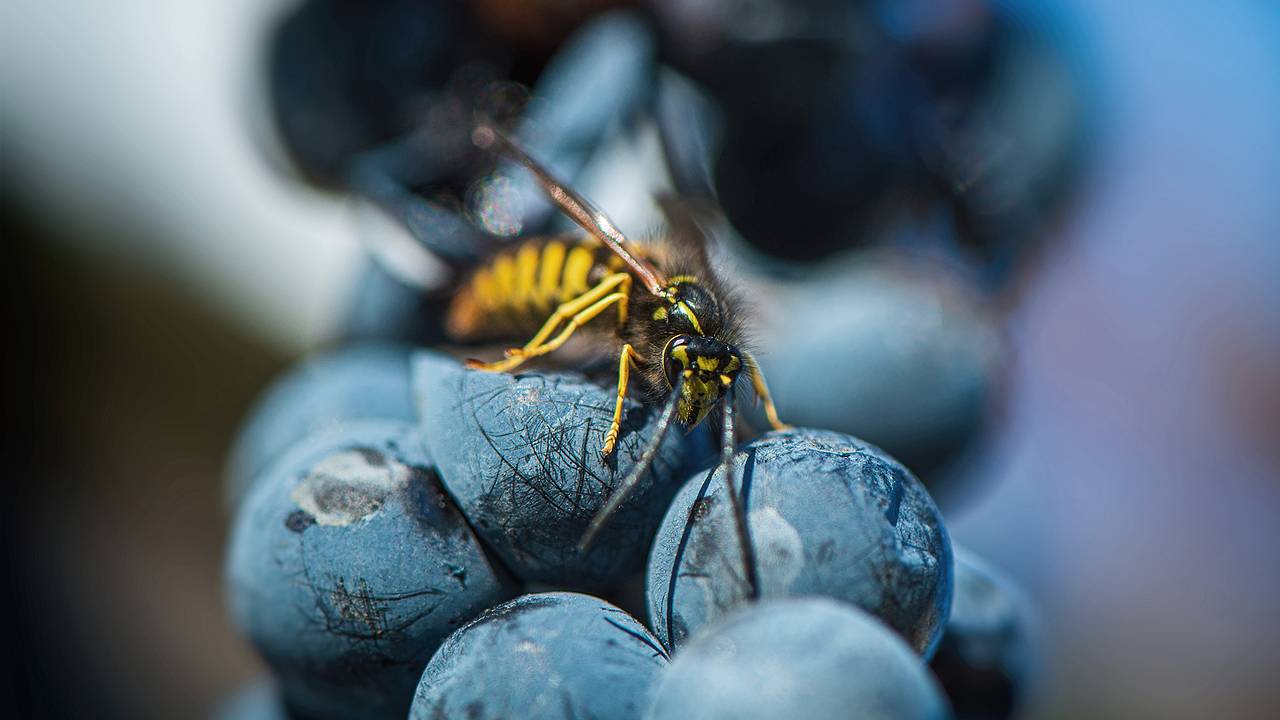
(629, 356)
(624, 287)
(762, 392)
(569, 309)
(575, 322)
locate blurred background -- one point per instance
(1066, 210)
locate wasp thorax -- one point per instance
(705, 369)
(690, 308)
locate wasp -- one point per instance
(672, 322)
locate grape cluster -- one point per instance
(419, 558)
(406, 530)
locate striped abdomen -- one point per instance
(512, 294)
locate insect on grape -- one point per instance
(670, 320)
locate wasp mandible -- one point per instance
(676, 333)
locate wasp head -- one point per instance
(708, 367)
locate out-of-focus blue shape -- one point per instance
(1135, 492)
(321, 393)
(596, 83)
(897, 349)
(837, 116)
(984, 660)
(258, 700)
(346, 76)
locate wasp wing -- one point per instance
(579, 209)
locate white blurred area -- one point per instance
(140, 129)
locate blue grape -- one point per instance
(909, 355)
(323, 392)
(810, 658)
(552, 656)
(827, 515)
(984, 661)
(349, 564)
(521, 455)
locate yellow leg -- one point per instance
(624, 287)
(575, 306)
(762, 391)
(569, 309)
(575, 322)
(628, 356)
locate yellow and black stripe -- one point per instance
(515, 292)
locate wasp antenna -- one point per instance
(728, 448)
(628, 485)
(579, 209)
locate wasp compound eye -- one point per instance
(675, 359)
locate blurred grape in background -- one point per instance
(1042, 235)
